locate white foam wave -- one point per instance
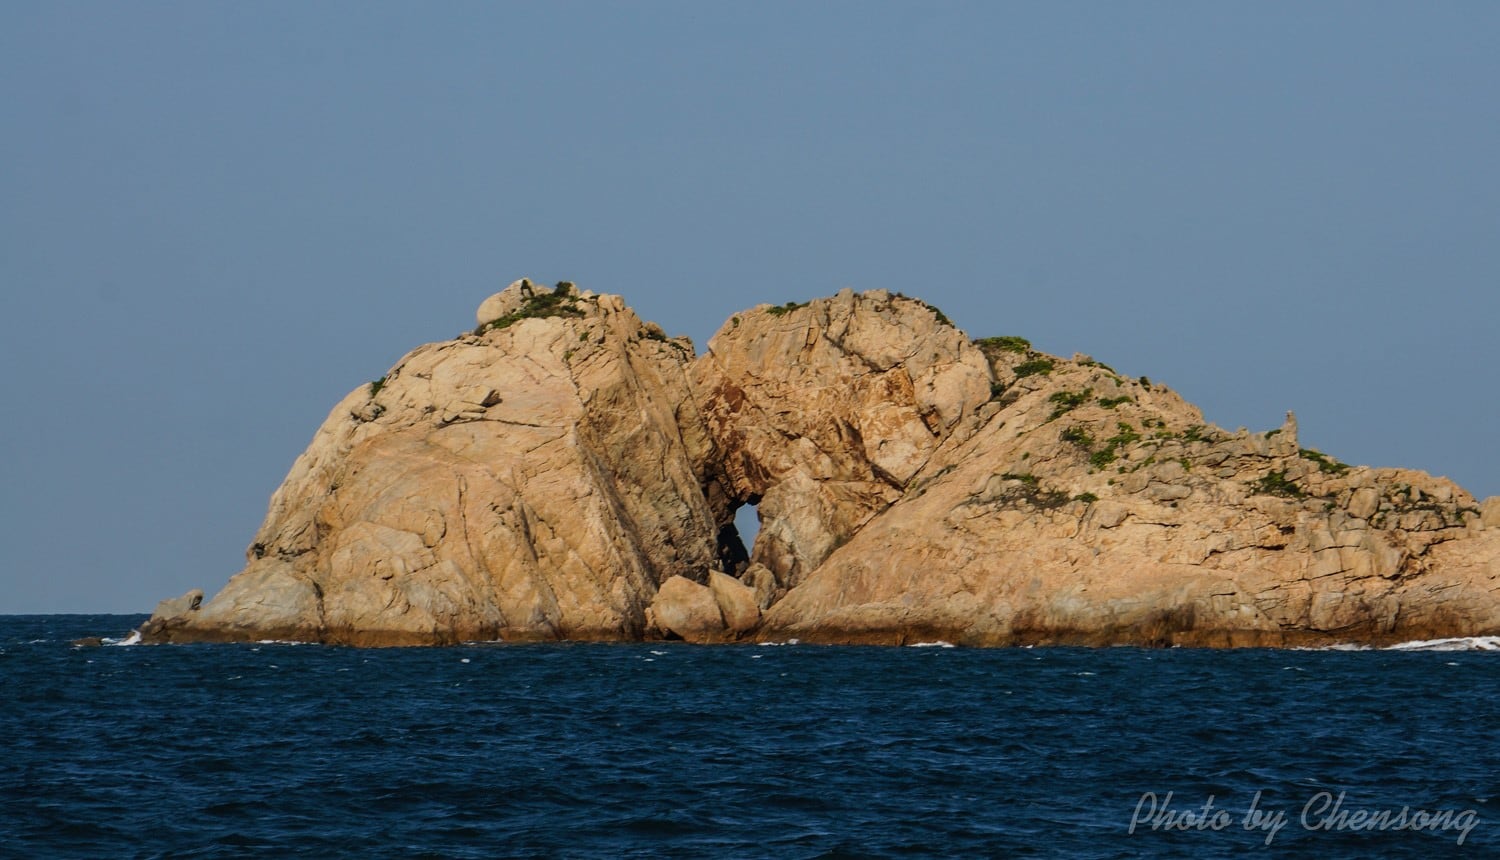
(938, 644)
(1342, 646)
(1466, 643)
(133, 639)
(1462, 643)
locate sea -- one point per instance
(779, 751)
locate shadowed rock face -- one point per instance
(572, 473)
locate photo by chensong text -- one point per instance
(1322, 811)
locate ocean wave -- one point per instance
(1466, 643)
(133, 639)
(937, 644)
(1460, 643)
(1342, 646)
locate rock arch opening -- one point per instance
(747, 522)
(736, 541)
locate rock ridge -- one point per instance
(567, 471)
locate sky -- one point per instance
(217, 219)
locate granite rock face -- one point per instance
(571, 472)
(823, 413)
(533, 481)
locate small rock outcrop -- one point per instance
(569, 471)
(1491, 513)
(686, 610)
(177, 606)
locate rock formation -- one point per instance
(824, 413)
(568, 471)
(536, 479)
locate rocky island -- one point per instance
(568, 471)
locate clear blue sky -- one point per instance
(216, 219)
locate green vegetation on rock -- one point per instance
(1034, 366)
(783, 310)
(1066, 401)
(560, 302)
(1078, 436)
(1005, 343)
(1102, 457)
(1276, 484)
(1326, 464)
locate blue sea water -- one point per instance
(792, 751)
